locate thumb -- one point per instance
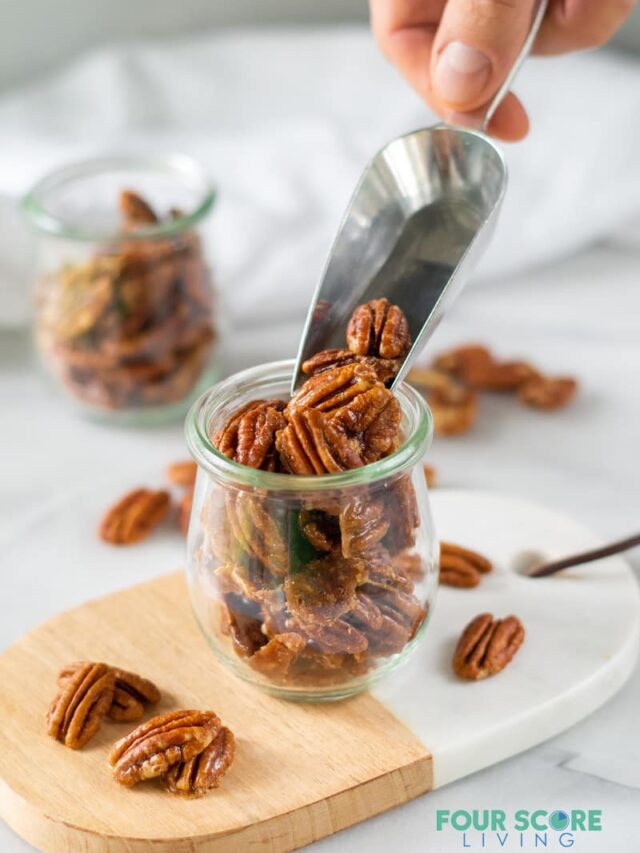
(475, 47)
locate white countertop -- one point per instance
(581, 317)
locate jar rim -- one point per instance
(208, 457)
(34, 207)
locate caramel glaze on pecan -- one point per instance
(193, 778)
(130, 694)
(476, 367)
(311, 443)
(248, 437)
(386, 369)
(135, 210)
(460, 566)
(379, 329)
(153, 747)
(542, 392)
(78, 709)
(134, 516)
(487, 645)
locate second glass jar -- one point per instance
(310, 587)
(125, 318)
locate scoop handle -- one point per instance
(539, 11)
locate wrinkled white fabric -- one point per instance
(284, 122)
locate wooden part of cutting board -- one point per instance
(301, 771)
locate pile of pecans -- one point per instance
(316, 592)
(452, 383)
(133, 325)
(189, 750)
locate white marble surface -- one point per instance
(581, 317)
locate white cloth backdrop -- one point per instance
(284, 122)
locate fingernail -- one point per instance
(461, 73)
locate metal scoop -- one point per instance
(421, 216)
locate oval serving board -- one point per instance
(305, 771)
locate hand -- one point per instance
(456, 53)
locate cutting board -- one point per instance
(305, 771)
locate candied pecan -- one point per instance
(244, 625)
(454, 407)
(72, 305)
(337, 638)
(374, 416)
(183, 473)
(543, 392)
(386, 369)
(154, 746)
(312, 444)
(333, 389)
(277, 655)
(402, 514)
(487, 645)
(248, 437)
(321, 529)
(184, 512)
(130, 694)
(477, 367)
(363, 523)
(385, 572)
(134, 516)
(324, 589)
(380, 329)
(76, 713)
(409, 564)
(200, 774)
(252, 581)
(461, 567)
(135, 210)
(430, 475)
(258, 531)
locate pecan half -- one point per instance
(453, 406)
(276, 656)
(249, 436)
(461, 567)
(77, 711)
(409, 564)
(374, 418)
(131, 692)
(183, 473)
(477, 368)
(379, 329)
(313, 444)
(244, 625)
(403, 515)
(386, 369)
(195, 777)
(363, 523)
(135, 210)
(334, 388)
(320, 528)
(154, 746)
(258, 529)
(542, 392)
(324, 589)
(134, 516)
(487, 645)
(337, 638)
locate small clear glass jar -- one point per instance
(125, 318)
(309, 587)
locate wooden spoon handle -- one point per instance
(585, 557)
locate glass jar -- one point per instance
(125, 320)
(309, 587)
